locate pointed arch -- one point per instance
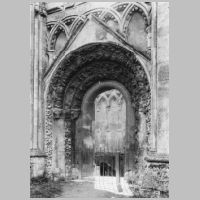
(130, 10)
(56, 30)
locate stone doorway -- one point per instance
(109, 132)
(70, 113)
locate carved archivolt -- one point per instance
(84, 68)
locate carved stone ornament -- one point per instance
(58, 113)
(87, 66)
(40, 9)
(75, 114)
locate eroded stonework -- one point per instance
(129, 46)
(94, 69)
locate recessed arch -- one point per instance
(81, 70)
(76, 24)
(136, 7)
(95, 51)
(57, 28)
(85, 122)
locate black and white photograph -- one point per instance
(99, 99)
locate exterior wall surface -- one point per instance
(76, 45)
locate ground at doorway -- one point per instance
(85, 189)
(45, 188)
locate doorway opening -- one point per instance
(109, 132)
(102, 131)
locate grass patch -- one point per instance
(45, 188)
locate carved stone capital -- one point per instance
(72, 113)
(75, 113)
(58, 113)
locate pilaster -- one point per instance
(38, 65)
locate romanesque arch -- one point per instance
(76, 74)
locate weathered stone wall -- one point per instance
(128, 26)
(156, 180)
(163, 77)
